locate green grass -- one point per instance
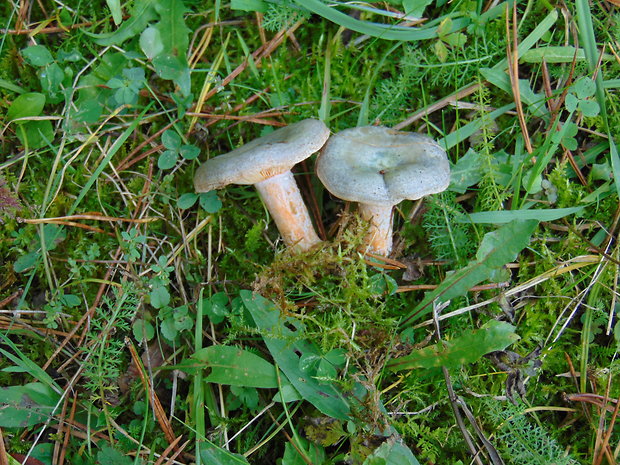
(105, 246)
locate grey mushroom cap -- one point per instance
(381, 166)
(262, 158)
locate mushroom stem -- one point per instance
(379, 237)
(283, 200)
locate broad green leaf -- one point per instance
(187, 200)
(312, 452)
(26, 261)
(35, 134)
(150, 42)
(160, 297)
(28, 405)
(554, 54)
(284, 344)
(466, 172)
(237, 367)
(37, 55)
(143, 330)
(29, 104)
(391, 452)
(506, 216)
(210, 202)
(189, 152)
(142, 14)
(108, 454)
(210, 454)
(249, 5)
(115, 9)
(497, 248)
(463, 349)
(174, 33)
(167, 160)
(171, 140)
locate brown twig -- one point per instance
(513, 72)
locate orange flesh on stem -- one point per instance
(283, 200)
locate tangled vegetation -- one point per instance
(143, 322)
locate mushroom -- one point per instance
(379, 167)
(266, 162)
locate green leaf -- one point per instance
(168, 330)
(212, 455)
(463, 349)
(29, 104)
(28, 405)
(26, 261)
(37, 55)
(171, 26)
(553, 54)
(535, 102)
(284, 344)
(210, 202)
(11, 86)
(391, 452)
(506, 216)
(160, 297)
(237, 367)
(142, 14)
(108, 454)
(143, 330)
(151, 43)
(187, 200)
(497, 248)
(189, 152)
(466, 172)
(171, 140)
(249, 5)
(115, 9)
(167, 160)
(383, 31)
(312, 453)
(35, 134)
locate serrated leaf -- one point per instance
(167, 160)
(506, 216)
(174, 33)
(237, 367)
(496, 249)
(284, 345)
(464, 349)
(37, 55)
